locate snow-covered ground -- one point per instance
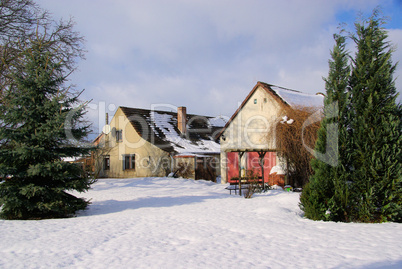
(178, 223)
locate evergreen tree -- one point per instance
(325, 197)
(366, 183)
(35, 112)
(375, 126)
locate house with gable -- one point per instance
(246, 141)
(153, 143)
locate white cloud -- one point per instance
(395, 35)
(206, 55)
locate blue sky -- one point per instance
(207, 55)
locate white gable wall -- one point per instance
(250, 128)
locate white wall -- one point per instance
(252, 126)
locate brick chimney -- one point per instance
(181, 119)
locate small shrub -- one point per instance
(253, 186)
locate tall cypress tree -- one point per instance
(375, 126)
(366, 183)
(35, 113)
(325, 197)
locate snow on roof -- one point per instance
(160, 128)
(70, 159)
(219, 121)
(180, 144)
(296, 98)
(186, 155)
(277, 169)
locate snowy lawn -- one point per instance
(178, 223)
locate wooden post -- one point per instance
(241, 153)
(261, 154)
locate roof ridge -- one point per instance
(272, 85)
(270, 89)
(162, 111)
(145, 109)
(162, 131)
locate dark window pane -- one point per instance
(132, 162)
(106, 163)
(127, 162)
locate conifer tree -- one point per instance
(325, 197)
(366, 183)
(375, 126)
(36, 110)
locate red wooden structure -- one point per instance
(259, 162)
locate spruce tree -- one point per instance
(366, 183)
(325, 197)
(375, 126)
(37, 112)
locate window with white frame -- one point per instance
(129, 161)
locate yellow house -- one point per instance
(145, 143)
(245, 143)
